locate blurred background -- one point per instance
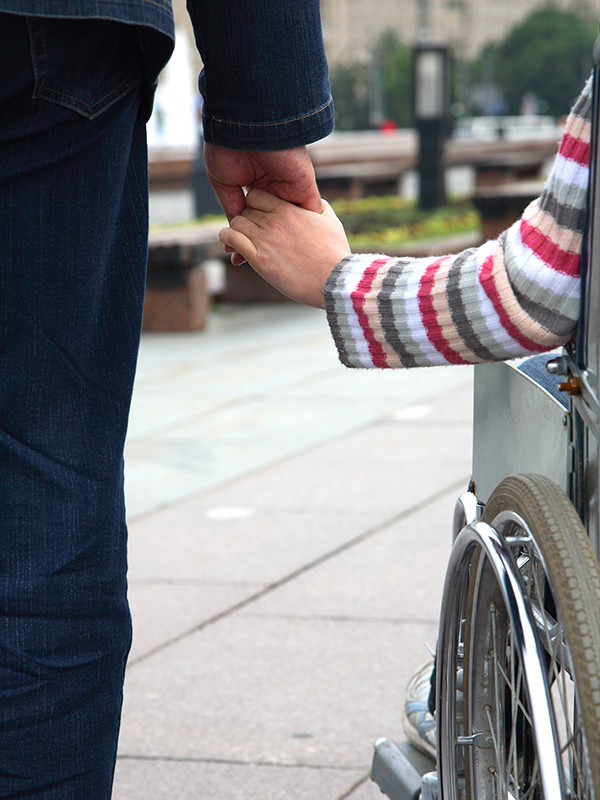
(514, 57)
(510, 73)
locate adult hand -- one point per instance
(287, 174)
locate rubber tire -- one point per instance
(573, 571)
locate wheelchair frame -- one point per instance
(518, 667)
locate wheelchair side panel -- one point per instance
(517, 427)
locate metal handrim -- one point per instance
(497, 561)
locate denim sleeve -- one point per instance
(265, 80)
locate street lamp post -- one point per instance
(431, 85)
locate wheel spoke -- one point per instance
(512, 685)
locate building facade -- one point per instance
(352, 28)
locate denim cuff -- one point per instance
(281, 135)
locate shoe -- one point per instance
(419, 724)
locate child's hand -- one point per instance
(293, 249)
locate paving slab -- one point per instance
(193, 780)
(231, 330)
(395, 575)
(367, 790)
(398, 387)
(452, 406)
(381, 467)
(210, 408)
(165, 609)
(263, 547)
(177, 463)
(297, 692)
(185, 392)
(226, 445)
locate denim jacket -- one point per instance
(265, 81)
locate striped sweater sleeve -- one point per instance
(514, 296)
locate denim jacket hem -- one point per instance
(281, 135)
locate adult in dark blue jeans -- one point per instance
(76, 84)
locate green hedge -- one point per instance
(396, 220)
(385, 220)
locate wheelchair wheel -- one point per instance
(518, 691)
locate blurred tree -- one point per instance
(484, 93)
(350, 90)
(548, 55)
(397, 82)
(365, 94)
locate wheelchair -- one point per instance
(518, 655)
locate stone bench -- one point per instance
(502, 205)
(177, 294)
(177, 297)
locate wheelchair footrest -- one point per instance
(399, 771)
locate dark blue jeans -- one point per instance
(73, 237)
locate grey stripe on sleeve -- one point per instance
(334, 308)
(391, 326)
(457, 308)
(483, 328)
(583, 106)
(560, 209)
(552, 320)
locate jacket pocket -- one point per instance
(85, 65)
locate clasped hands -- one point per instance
(280, 225)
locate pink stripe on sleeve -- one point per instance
(435, 332)
(574, 149)
(548, 252)
(358, 303)
(486, 277)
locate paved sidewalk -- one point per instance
(289, 530)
